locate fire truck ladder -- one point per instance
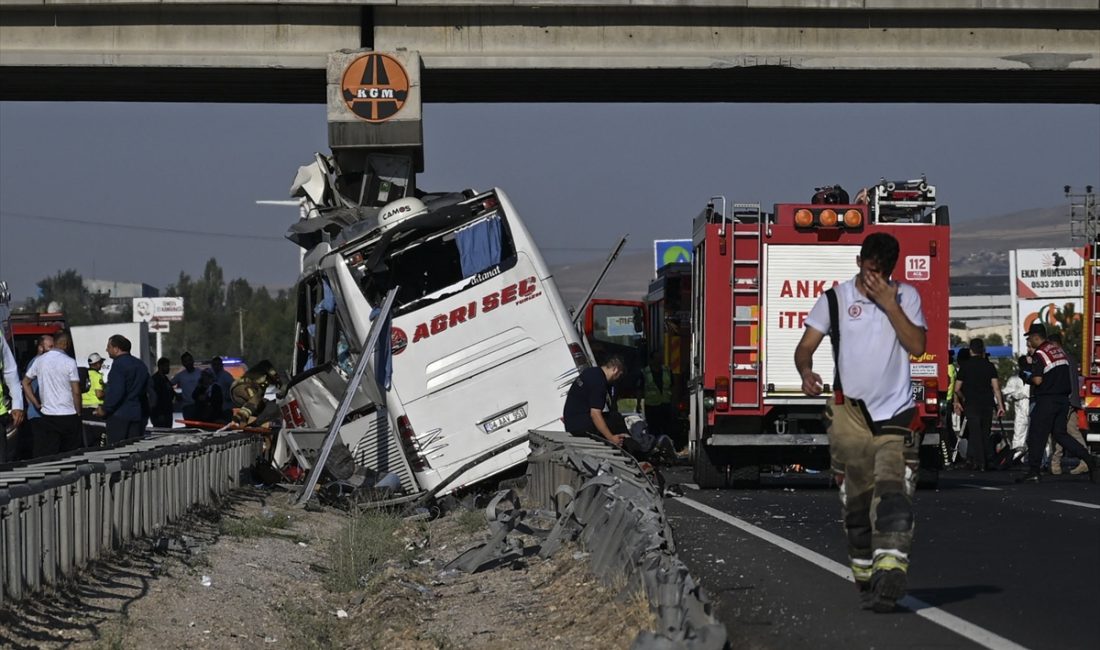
(1092, 289)
(745, 280)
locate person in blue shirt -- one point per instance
(584, 404)
(126, 403)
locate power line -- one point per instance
(107, 224)
(209, 233)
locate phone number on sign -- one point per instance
(1055, 284)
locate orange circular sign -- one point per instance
(375, 87)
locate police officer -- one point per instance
(11, 398)
(871, 416)
(1051, 381)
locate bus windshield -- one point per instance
(430, 265)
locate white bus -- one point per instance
(482, 348)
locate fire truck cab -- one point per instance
(756, 275)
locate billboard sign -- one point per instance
(1049, 272)
(150, 309)
(1054, 313)
(671, 251)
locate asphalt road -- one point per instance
(994, 565)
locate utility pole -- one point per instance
(240, 328)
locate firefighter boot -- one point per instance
(888, 582)
(887, 587)
(866, 595)
(862, 573)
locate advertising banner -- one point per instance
(670, 251)
(1049, 272)
(1053, 313)
(151, 309)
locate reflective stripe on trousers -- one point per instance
(877, 475)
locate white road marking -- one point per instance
(691, 486)
(1077, 503)
(983, 487)
(966, 629)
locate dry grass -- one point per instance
(368, 540)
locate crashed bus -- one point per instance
(482, 349)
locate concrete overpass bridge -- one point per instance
(559, 50)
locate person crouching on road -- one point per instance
(583, 413)
(1051, 381)
(248, 394)
(872, 418)
(126, 404)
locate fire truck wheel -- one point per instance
(707, 474)
(744, 475)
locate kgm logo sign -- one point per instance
(375, 87)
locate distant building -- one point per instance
(980, 311)
(980, 285)
(982, 304)
(121, 293)
(121, 290)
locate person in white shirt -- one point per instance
(59, 428)
(871, 416)
(11, 398)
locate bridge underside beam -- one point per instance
(755, 84)
(257, 52)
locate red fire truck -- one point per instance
(618, 327)
(755, 277)
(25, 330)
(668, 311)
(1090, 348)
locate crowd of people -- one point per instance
(58, 406)
(1044, 399)
(876, 325)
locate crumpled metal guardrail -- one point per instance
(618, 516)
(61, 513)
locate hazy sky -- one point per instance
(178, 182)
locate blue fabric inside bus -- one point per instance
(479, 246)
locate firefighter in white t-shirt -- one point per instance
(873, 423)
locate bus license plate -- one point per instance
(501, 421)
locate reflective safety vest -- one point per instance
(89, 399)
(951, 373)
(653, 395)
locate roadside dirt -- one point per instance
(260, 573)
